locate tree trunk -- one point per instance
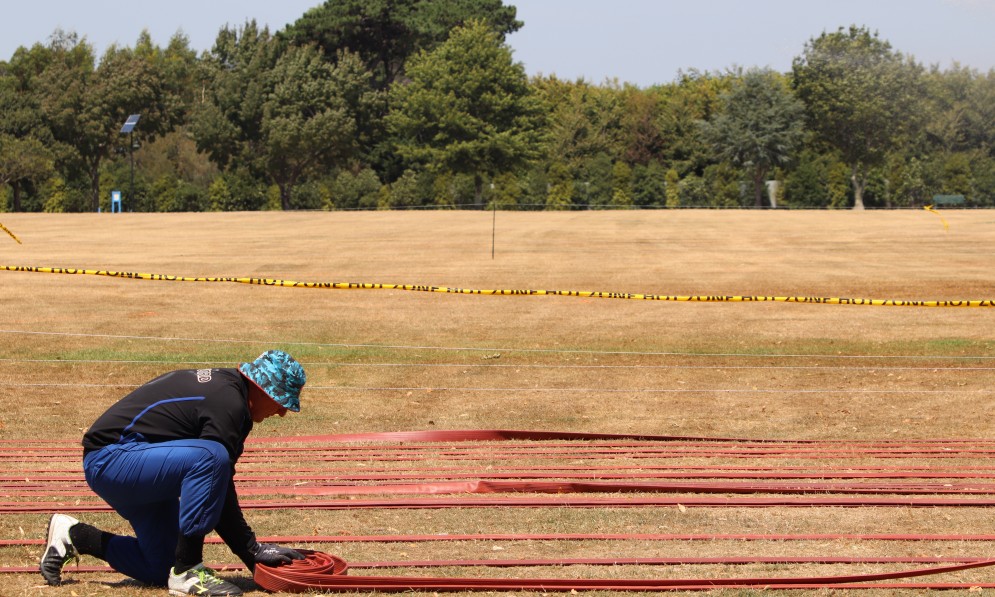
(478, 191)
(95, 184)
(858, 188)
(758, 188)
(17, 196)
(286, 189)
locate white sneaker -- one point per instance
(59, 550)
(200, 580)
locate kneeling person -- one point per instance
(164, 458)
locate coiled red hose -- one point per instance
(300, 575)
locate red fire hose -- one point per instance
(443, 469)
(321, 571)
(300, 575)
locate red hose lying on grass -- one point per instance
(275, 469)
(321, 571)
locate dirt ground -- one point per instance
(390, 360)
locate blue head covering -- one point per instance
(279, 375)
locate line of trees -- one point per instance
(391, 104)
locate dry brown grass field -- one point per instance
(393, 360)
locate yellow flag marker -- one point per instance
(930, 208)
(12, 235)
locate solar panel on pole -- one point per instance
(129, 125)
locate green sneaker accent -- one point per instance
(200, 580)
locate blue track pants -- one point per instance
(163, 489)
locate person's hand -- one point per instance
(270, 554)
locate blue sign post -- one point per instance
(116, 201)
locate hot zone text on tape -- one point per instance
(694, 298)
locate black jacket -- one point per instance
(207, 404)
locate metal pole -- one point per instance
(131, 151)
(493, 226)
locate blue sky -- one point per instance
(636, 41)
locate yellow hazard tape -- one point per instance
(931, 209)
(695, 298)
(12, 235)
